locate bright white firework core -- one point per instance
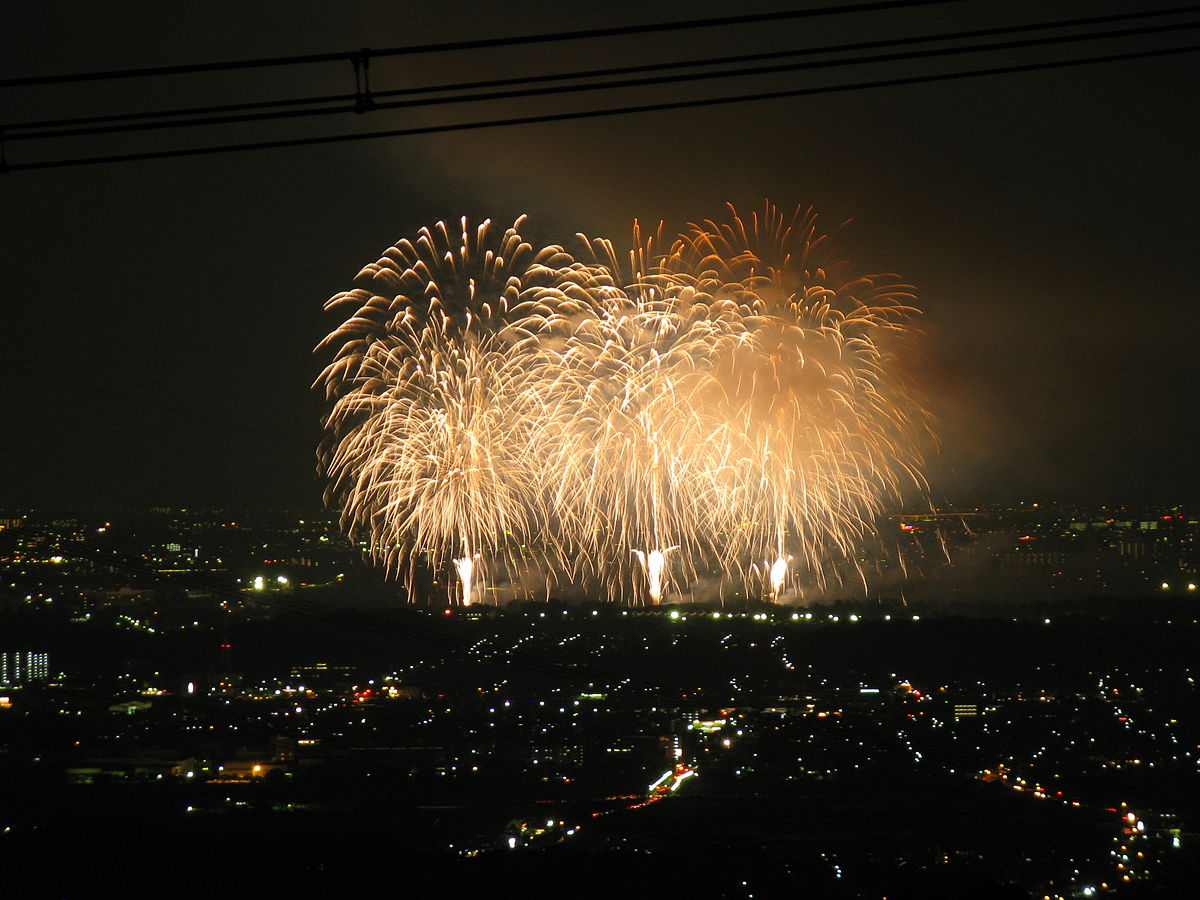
(778, 574)
(654, 564)
(465, 567)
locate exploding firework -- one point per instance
(630, 421)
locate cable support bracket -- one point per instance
(363, 101)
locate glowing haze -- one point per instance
(730, 407)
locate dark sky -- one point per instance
(160, 316)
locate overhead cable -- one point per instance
(124, 123)
(600, 113)
(477, 44)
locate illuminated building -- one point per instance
(21, 666)
(965, 710)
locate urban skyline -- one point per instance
(171, 676)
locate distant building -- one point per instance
(23, 666)
(966, 710)
(129, 707)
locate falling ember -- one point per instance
(654, 565)
(547, 411)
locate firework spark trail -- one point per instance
(724, 396)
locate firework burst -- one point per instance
(629, 420)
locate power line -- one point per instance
(600, 113)
(609, 85)
(596, 73)
(478, 44)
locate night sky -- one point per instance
(160, 316)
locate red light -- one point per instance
(449, 612)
